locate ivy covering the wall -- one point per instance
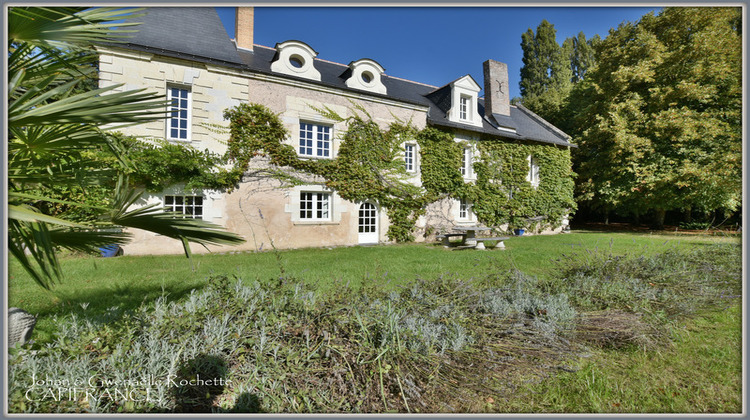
(369, 166)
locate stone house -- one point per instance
(185, 54)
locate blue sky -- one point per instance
(432, 45)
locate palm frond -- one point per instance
(62, 26)
(30, 214)
(89, 240)
(57, 138)
(154, 219)
(99, 106)
(31, 244)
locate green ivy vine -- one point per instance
(369, 166)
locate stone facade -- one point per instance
(266, 213)
(260, 209)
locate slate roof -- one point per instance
(196, 33)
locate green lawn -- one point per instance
(700, 373)
(128, 281)
(698, 369)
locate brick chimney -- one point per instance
(496, 88)
(243, 27)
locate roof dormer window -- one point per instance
(295, 58)
(365, 74)
(464, 109)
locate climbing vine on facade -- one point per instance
(369, 165)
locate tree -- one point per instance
(55, 134)
(581, 54)
(546, 73)
(660, 117)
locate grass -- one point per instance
(470, 335)
(128, 281)
(701, 372)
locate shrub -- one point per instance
(429, 346)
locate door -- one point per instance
(368, 223)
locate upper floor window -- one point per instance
(467, 163)
(178, 122)
(464, 107)
(533, 176)
(463, 102)
(314, 206)
(189, 206)
(410, 158)
(314, 140)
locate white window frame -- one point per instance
(410, 157)
(315, 130)
(467, 163)
(533, 174)
(178, 203)
(464, 96)
(465, 211)
(188, 109)
(464, 108)
(320, 206)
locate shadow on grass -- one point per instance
(104, 304)
(201, 381)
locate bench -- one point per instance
(499, 240)
(446, 237)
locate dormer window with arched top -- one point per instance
(464, 108)
(366, 74)
(295, 58)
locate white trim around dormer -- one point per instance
(291, 52)
(338, 92)
(468, 89)
(366, 75)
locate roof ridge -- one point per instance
(544, 123)
(412, 81)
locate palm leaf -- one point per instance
(87, 240)
(99, 106)
(173, 225)
(51, 133)
(31, 244)
(30, 214)
(60, 27)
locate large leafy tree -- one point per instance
(581, 53)
(660, 115)
(57, 134)
(546, 75)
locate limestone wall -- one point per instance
(261, 209)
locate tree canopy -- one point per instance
(550, 71)
(659, 117)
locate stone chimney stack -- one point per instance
(496, 88)
(243, 27)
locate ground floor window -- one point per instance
(464, 211)
(190, 206)
(315, 206)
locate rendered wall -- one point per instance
(261, 209)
